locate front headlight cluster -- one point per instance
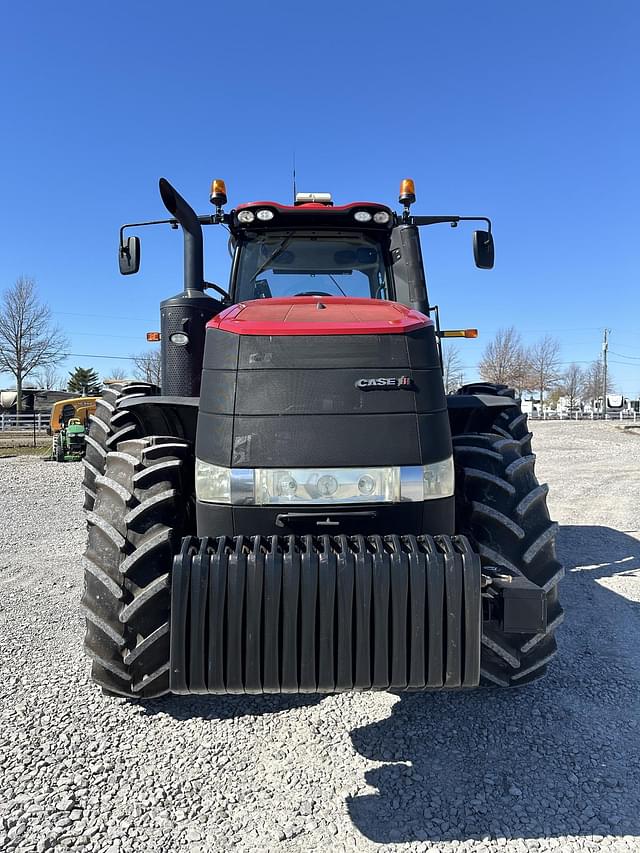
(273, 486)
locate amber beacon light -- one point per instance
(407, 192)
(218, 195)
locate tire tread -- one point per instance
(502, 508)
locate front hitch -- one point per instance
(514, 602)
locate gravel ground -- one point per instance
(552, 766)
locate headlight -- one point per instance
(439, 479)
(246, 216)
(213, 483)
(265, 215)
(327, 485)
(381, 217)
(362, 216)
(269, 486)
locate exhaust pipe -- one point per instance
(192, 231)
(183, 317)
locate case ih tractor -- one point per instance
(300, 507)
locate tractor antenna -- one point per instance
(294, 177)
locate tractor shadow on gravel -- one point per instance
(560, 757)
(225, 707)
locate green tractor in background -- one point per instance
(70, 442)
(68, 428)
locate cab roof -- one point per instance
(314, 215)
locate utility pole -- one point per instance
(605, 350)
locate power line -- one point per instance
(102, 316)
(622, 355)
(573, 361)
(90, 355)
(104, 335)
(626, 346)
(489, 329)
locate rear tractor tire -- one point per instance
(111, 424)
(502, 508)
(140, 514)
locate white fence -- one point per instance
(34, 422)
(39, 421)
(584, 416)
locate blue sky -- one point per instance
(527, 113)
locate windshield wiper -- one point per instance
(336, 284)
(283, 245)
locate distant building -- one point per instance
(567, 406)
(615, 403)
(529, 407)
(33, 400)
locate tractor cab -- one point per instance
(311, 249)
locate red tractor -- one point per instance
(300, 507)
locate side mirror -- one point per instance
(129, 256)
(483, 249)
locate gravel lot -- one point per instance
(552, 766)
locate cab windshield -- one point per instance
(297, 265)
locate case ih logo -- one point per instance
(385, 382)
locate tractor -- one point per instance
(67, 426)
(69, 442)
(300, 507)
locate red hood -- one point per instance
(319, 315)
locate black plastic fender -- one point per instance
(162, 415)
(476, 412)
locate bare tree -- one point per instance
(544, 366)
(594, 381)
(49, 378)
(573, 383)
(147, 366)
(504, 360)
(451, 368)
(116, 374)
(28, 337)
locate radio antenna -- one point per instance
(294, 177)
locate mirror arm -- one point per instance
(215, 219)
(452, 220)
(205, 219)
(210, 286)
(172, 222)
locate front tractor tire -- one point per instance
(502, 509)
(111, 424)
(139, 516)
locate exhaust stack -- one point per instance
(184, 317)
(192, 231)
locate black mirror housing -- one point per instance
(483, 250)
(129, 256)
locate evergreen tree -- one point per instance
(85, 381)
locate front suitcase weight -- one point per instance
(325, 614)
